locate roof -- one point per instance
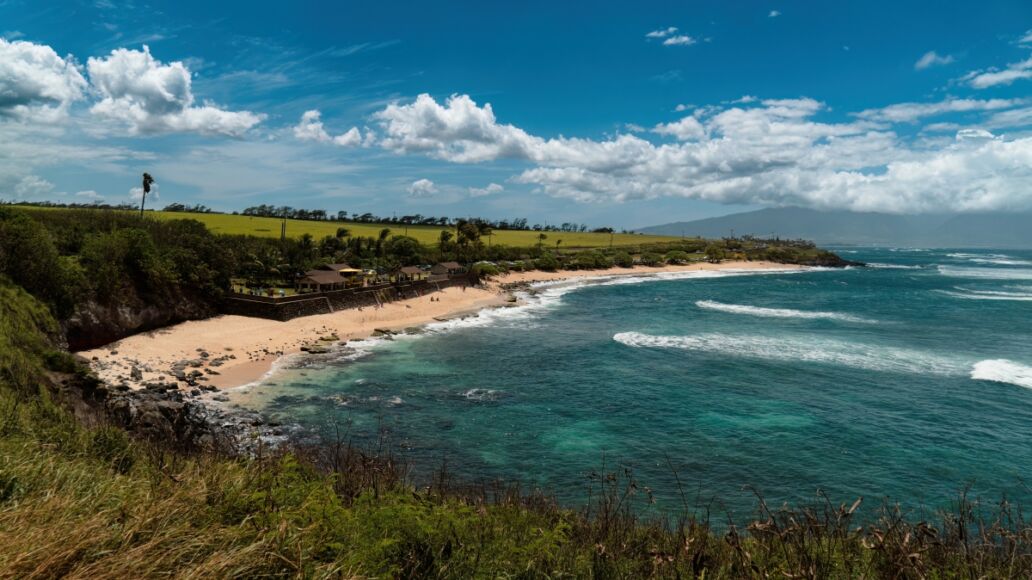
(323, 277)
(411, 270)
(451, 265)
(336, 267)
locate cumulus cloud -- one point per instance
(311, 128)
(422, 188)
(492, 188)
(137, 192)
(770, 152)
(662, 33)
(679, 40)
(1027, 38)
(983, 79)
(151, 97)
(89, 194)
(910, 112)
(32, 186)
(36, 83)
(932, 58)
(774, 14)
(686, 129)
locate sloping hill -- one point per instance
(997, 230)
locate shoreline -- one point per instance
(229, 351)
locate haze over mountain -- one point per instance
(988, 230)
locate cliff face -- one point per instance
(95, 324)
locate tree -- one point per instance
(147, 181)
(623, 259)
(541, 239)
(343, 233)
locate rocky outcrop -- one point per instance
(160, 412)
(94, 324)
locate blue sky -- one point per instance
(624, 114)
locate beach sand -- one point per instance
(230, 351)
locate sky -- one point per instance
(623, 114)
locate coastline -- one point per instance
(229, 351)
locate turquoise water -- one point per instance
(910, 380)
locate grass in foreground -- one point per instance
(88, 502)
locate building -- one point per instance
(447, 269)
(320, 281)
(410, 274)
(352, 276)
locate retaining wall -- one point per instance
(290, 307)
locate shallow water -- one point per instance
(909, 380)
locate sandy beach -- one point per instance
(229, 351)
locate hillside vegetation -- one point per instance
(89, 502)
(269, 227)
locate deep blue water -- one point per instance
(910, 380)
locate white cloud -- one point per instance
(36, 83)
(151, 97)
(662, 33)
(1027, 38)
(422, 188)
(491, 188)
(932, 58)
(772, 152)
(89, 194)
(686, 129)
(679, 40)
(137, 192)
(311, 128)
(983, 79)
(910, 112)
(774, 14)
(32, 186)
(682, 107)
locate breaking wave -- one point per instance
(968, 294)
(987, 273)
(780, 312)
(883, 266)
(849, 354)
(1003, 371)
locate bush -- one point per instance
(547, 262)
(623, 259)
(677, 257)
(651, 259)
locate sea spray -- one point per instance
(1003, 371)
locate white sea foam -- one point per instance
(983, 296)
(987, 273)
(1023, 294)
(781, 312)
(850, 354)
(1003, 371)
(883, 266)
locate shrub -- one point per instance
(547, 262)
(623, 259)
(651, 259)
(677, 257)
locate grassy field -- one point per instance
(270, 228)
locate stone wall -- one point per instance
(291, 307)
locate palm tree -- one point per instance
(557, 242)
(147, 181)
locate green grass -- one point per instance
(270, 228)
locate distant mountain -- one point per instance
(988, 230)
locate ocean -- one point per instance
(909, 381)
